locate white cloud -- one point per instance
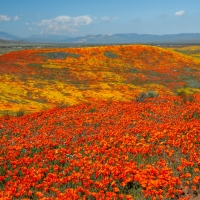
(7, 18)
(16, 18)
(26, 23)
(64, 23)
(106, 18)
(180, 13)
(4, 18)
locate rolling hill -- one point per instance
(7, 36)
(103, 150)
(106, 134)
(36, 79)
(46, 38)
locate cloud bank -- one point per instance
(7, 18)
(64, 24)
(4, 18)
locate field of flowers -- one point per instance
(192, 51)
(103, 150)
(32, 80)
(106, 134)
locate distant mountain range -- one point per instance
(137, 38)
(182, 38)
(7, 36)
(46, 38)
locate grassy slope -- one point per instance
(110, 149)
(42, 78)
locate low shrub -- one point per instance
(20, 113)
(142, 96)
(151, 94)
(110, 54)
(186, 94)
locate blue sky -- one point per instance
(88, 17)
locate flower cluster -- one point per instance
(103, 150)
(37, 79)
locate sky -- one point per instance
(90, 17)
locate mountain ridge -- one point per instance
(107, 38)
(8, 36)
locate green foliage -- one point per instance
(20, 113)
(142, 96)
(186, 94)
(151, 94)
(62, 105)
(2, 171)
(6, 113)
(196, 114)
(40, 100)
(35, 150)
(59, 55)
(92, 110)
(184, 91)
(191, 82)
(132, 70)
(133, 188)
(110, 54)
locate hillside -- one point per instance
(103, 150)
(106, 134)
(36, 79)
(192, 51)
(5, 41)
(7, 36)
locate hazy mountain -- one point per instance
(2, 42)
(5, 41)
(183, 38)
(136, 38)
(7, 36)
(46, 38)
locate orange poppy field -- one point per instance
(104, 122)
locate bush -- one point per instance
(20, 113)
(186, 94)
(6, 113)
(142, 96)
(110, 54)
(151, 94)
(184, 91)
(59, 55)
(62, 105)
